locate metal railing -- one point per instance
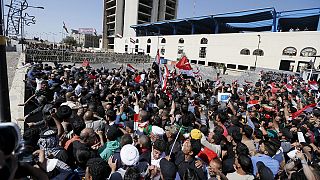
(35, 55)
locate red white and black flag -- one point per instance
(132, 40)
(130, 69)
(156, 65)
(140, 78)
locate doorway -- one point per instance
(286, 65)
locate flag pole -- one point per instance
(174, 142)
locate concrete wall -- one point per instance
(119, 17)
(225, 48)
(154, 14)
(130, 17)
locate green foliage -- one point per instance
(70, 41)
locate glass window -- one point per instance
(148, 48)
(163, 51)
(231, 66)
(163, 40)
(245, 51)
(136, 48)
(204, 41)
(180, 50)
(181, 41)
(258, 52)
(149, 41)
(126, 48)
(203, 52)
(137, 40)
(308, 51)
(289, 51)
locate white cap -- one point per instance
(129, 155)
(157, 130)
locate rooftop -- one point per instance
(256, 20)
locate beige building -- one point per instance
(119, 15)
(86, 39)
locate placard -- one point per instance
(224, 97)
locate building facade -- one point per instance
(119, 15)
(86, 37)
(241, 40)
(277, 50)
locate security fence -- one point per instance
(35, 55)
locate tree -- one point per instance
(70, 41)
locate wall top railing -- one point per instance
(36, 55)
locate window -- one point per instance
(193, 61)
(231, 66)
(241, 67)
(203, 52)
(149, 41)
(204, 41)
(163, 40)
(289, 51)
(211, 64)
(126, 48)
(180, 50)
(258, 52)
(163, 51)
(245, 51)
(137, 40)
(181, 41)
(148, 48)
(136, 48)
(308, 51)
(201, 62)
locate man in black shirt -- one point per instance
(185, 159)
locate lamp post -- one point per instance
(5, 115)
(22, 19)
(259, 41)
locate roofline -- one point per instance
(220, 14)
(205, 16)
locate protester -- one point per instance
(137, 125)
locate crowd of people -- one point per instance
(104, 124)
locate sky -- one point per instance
(89, 13)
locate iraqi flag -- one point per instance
(156, 65)
(313, 85)
(274, 89)
(140, 78)
(306, 108)
(65, 27)
(267, 107)
(184, 64)
(136, 118)
(185, 68)
(252, 103)
(130, 68)
(165, 78)
(132, 40)
(289, 87)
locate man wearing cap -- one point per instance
(129, 155)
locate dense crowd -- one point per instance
(104, 124)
